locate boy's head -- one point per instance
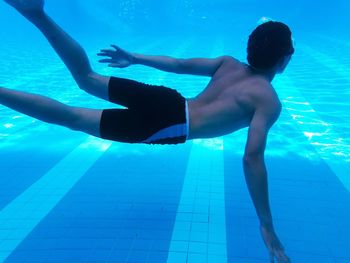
(269, 44)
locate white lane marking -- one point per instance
(25, 212)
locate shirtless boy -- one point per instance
(238, 96)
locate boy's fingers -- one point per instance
(105, 61)
(115, 47)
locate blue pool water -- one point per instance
(68, 197)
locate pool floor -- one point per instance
(163, 204)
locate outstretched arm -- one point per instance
(256, 175)
(254, 164)
(195, 66)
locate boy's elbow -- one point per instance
(180, 66)
(227, 58)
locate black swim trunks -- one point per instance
(154, 114)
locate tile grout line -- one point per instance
(201, 200)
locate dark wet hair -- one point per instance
(268, 43)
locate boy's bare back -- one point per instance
(229, 101)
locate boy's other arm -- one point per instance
(119, 58)
(191, 66)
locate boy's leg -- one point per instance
(71, 53)
(51, 111)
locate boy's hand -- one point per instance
(117, 57)
(274, 246)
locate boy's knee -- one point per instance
(93, 83)
(85, 81)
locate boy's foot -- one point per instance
(27, 6)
